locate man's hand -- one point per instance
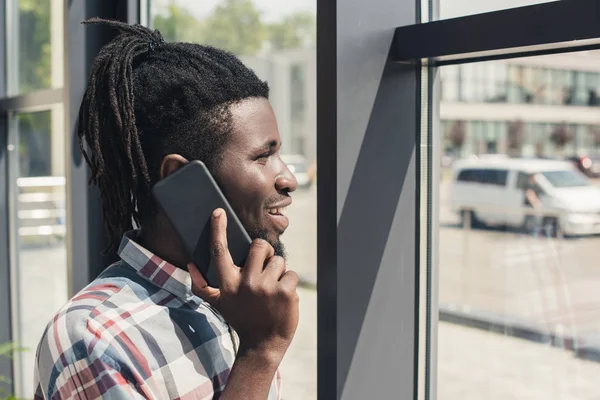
(259, 301)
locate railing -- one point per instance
(41, 207)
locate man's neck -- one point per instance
(158, 237)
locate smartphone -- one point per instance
(188, 198)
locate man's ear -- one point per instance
(171, 163)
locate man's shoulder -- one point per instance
(70, 322)
(121, 303)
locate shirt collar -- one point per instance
(156, 270)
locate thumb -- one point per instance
(200, 288)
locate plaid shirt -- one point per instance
(137, 332)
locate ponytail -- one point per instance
(107, 123)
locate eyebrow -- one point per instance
(267, 146)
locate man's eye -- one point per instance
(263, 157)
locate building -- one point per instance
(292, 78)
(517, 105)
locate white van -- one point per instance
(491, 191)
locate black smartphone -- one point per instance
(188, 198)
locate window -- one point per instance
(34, 216)
(466, 175)
(565, 179)
(485, 176)
(39, 48)
(522, 181)
(37, 143)
(459, 8)
(510, 271)
(277, 40)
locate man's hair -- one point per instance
(146, 99)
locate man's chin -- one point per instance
(278, 246)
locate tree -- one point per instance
(177, 25)
(561, 136)
(34, 45)
(235, 25)
(294, 31)
(457, 135)
(35, 72)
(516, 131)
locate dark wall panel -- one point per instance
(367, 133)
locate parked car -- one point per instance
(299, 167)
(589, 165)
(492, 192)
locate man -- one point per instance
(532, 200)
(149, 326)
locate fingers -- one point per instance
(289, 281)
(219, 249)
(260, 251)
(201, 288)
(275, 268)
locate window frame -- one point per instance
(459, 41)
(424, 45)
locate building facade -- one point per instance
(522, 106)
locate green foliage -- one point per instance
(177, 25)
(294, 31)
(34, 45)
(7, 350)
(236, 25)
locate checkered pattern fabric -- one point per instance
(137, 332)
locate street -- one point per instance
(551, 283)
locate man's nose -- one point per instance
(286, 181)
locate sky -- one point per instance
(458, 8)
(272, 10)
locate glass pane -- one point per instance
(277, 40)
(460, 8)
(519, 229)
(37, 144)
(39, 48)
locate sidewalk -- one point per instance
(474, 364)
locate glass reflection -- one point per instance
(39, 50)
(519, 228)
(38, 192)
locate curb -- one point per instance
(585, 347)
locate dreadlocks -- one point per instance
(146, 99)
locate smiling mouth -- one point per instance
(278, 219)
(276, 211)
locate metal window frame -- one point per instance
(426, 46)
(10, 104)
(39, 100)
(460, 40)
(524, 33)
(86, 234)
(83, 210)
(6, 366)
